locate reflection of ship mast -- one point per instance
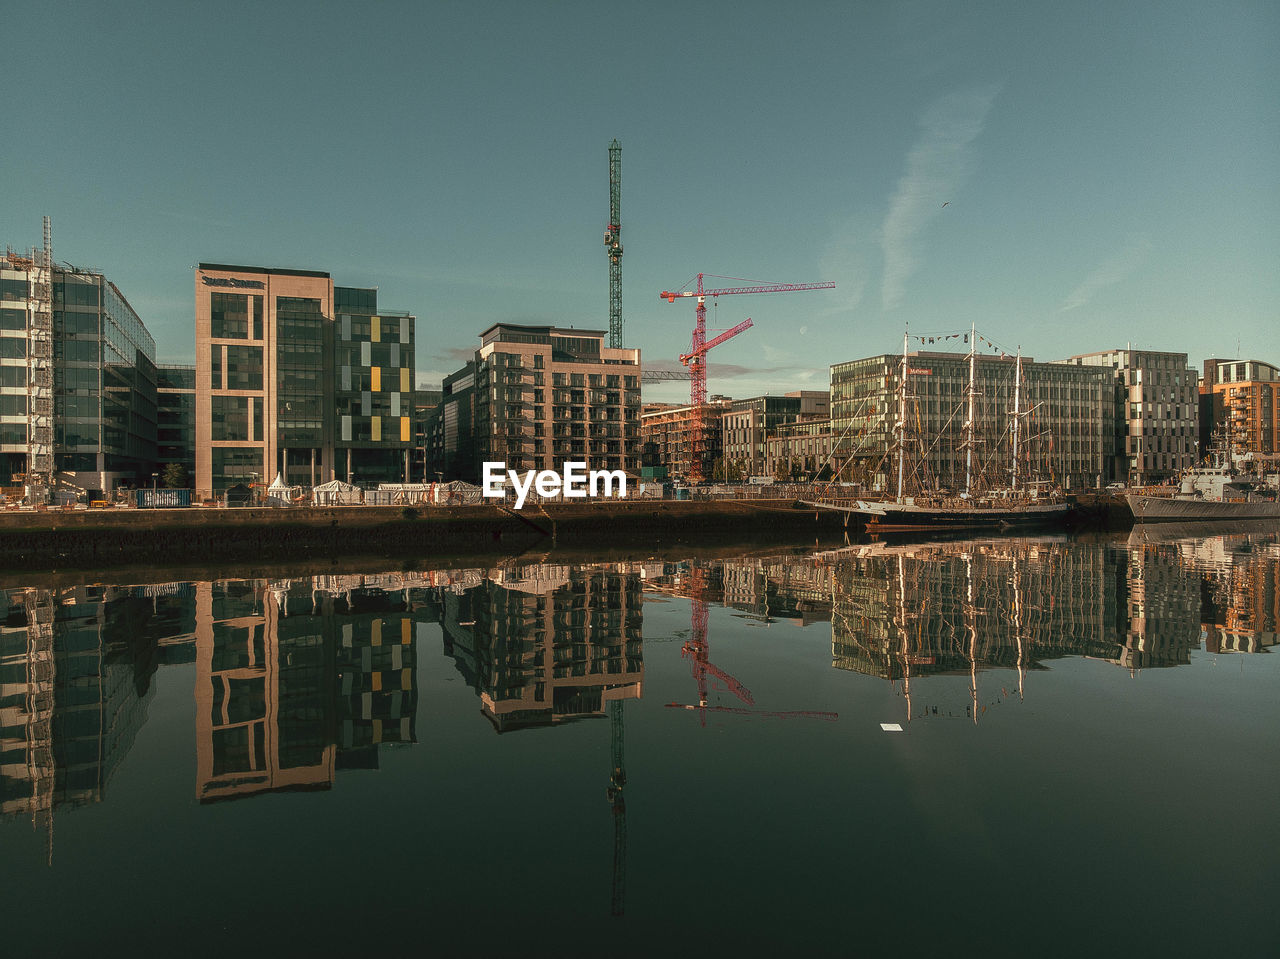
(971, 626)
(902, 628)
(1017, 618)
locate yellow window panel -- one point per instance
(377, 730)
(404, 429)
(375, 329)
(375, 378)
(404, 379)
(406, 679)
(406, 632)
(377, 682)
(375, 631)
(375, 426)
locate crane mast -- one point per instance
(696, 358)
(613, 244)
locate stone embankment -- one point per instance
(87, 539)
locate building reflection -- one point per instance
(297, 679)
(76, 667)
(547, 644)
(1240, 592)
(964, 607)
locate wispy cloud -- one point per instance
(937, 166)
(846, 258)
(1111, 271)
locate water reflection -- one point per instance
(543, 645)
(298, 680)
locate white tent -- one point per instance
(278, 494)
(337, 493)
(455, 493)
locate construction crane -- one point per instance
(695, 359)
(613, 244)
(660, 376)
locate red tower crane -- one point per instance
(695, 359)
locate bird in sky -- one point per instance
(945, 204)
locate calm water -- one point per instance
(625, 758)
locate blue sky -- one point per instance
(1109, 169)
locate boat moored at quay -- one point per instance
(1213, 492)
(1024, 503)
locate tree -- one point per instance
(174, 476)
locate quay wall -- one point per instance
(86, 539)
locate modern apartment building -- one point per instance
(749, 423)
(298, 377)
(1157, 412)
(538, 396)
(1240, 399)
(77, 378)
(668, 433)
(1066, 431)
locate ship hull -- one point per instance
(901, 518)
(1164, 509)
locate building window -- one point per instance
(230, 418)
(244, 367)
(229, 316)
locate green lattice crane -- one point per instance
(613, 244)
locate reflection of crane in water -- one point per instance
(698, 651)
(618, 804)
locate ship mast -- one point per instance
(973, 411)
(1017, 417)
(902, 415)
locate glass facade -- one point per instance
(1157, 412)
(301, 363)
(1065, 435)
(176, 420)
(373, 392)
(14, 288)
(103, 381)
(300, 378)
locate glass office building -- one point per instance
(1067, 416)
(102, 383)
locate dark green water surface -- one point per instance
(654, 756)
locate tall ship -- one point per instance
(1024, 503)
(1212, 492)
